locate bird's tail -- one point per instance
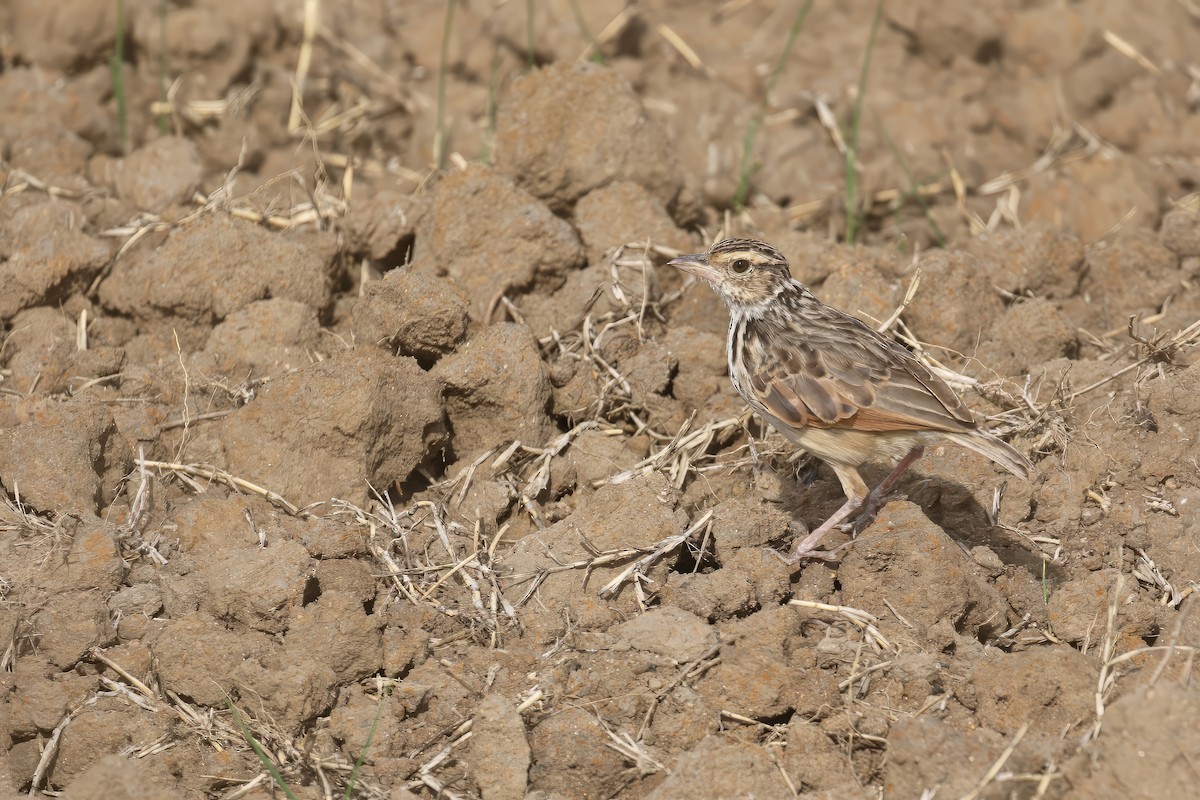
(999, 451)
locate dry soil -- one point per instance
(439, 473)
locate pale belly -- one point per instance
(853, 448)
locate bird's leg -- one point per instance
(877, 499)
(857, 498)
(804, 548)
(856, 492)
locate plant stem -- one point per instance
(914, 188)
(440, 137)
(852, 215)
(117, 65)
(529, 34)
(367, 746)
(755, 122)
(596, 56)
(489, 134)
(259, 751)
(162, 65)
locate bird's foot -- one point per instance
(797, 554)
(805, 548)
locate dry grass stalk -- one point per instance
(684, 49)
(998, 765)
(19, 181)
(693, 669)
(458, 735)
(1107, 678)
(50, 748)
(637, 569)
(681, 454)
(974, 223)
(856, 674)
(1067, 144)
(633, 751)
(1129, 51)
(186, 473)
(610, 31)
(420, 581)
(15, 516)
(866, 622)
(303, 62)
(1149, 573)
(1174, 647)
(129, 533)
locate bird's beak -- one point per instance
(697, 265)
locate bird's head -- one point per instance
(746, 273)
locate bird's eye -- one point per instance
(740, 267)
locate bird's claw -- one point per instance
(797, 555)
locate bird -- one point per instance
(832, 385)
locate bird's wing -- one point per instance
(834, 371)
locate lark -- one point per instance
(830, 384)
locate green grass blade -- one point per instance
(366, 746)
(529, 34)
(440, 136)
(117, 66)
(914, 188)
(163, 128)
(258, 751)
(489, 133)
(596, 57)
(853, 218)
(755, 122)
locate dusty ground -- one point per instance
(291, 425)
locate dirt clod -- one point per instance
(63, 455)
(522, 248)
(950, 306)
(266, 337)
(623, 212)
(568, 129)
(1048, 690)
(670, 632)
(372, 418)
(343, 381)
(187, 278)
(922, 572)
(198, 657)
(338, 631)
(259, 587)
(926, 750)
(413, 314)
(1141, 742)
(44, 256)
(497, 389)
(500, 753)
(1009, 350)
(1180, 232)
(722, 768)
(570, 754)
(163, 173)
